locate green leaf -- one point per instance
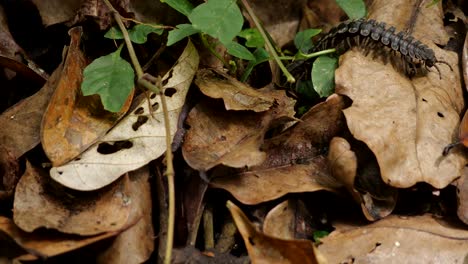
(353, 8)
(261, 55)
(305, 90)
(111, 77)
(303, 39)
(323, 75)
(182, 6)
(182, 31)
(221, 19)
(317, 235)
(138, 34)
(253, 38)
(239, 51)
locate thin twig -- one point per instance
(156, 88)
(268, 44)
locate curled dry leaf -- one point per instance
(73, 122)
(265, 249)
(462, 193)
(232, 138)
(45, 246)
(406, 123)
(279, 222)
(418, 239)
(38, 203)
(344, 168)
(293, 159)
(21, 123)
(135, 140)
(235, 94)
(135, 244)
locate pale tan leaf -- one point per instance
(37, 204)
(43, 246)
(135, 244)
(136, 140)
(417, 239)
(236, 95)
(406, 123)
(279, 222)
(265, 249)
(232, 138)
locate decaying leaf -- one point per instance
(417, 239)
(279, 222)
(406, 123)
(135, 244)
(9, 173)
(44, 246)
(294, 162)
(462, 193)
(73, 122)
(57, 11)
(38, 203)
(232, 138)
(21, 123)
(266, 249)
(236, 95)
(377, 200)
(137, 139)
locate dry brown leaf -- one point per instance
(21, 123)
(465, 62)
(57, 11)
(10, 173)
(38, 204)
(279, 222)
(406, 123)
(344, 168)
(135, 244)
(44, 246)
(266, 249)
(236, 95)
(462, 193)
(232, 138)
(73, 122)
(293, 159)
(137, 139)
(418, 239)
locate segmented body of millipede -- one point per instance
(376, 38)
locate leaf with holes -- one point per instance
(138, 139)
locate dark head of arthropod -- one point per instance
(430, 61)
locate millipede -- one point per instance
(374, 37)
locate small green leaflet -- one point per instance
(319, 234)
(261, 55)
(323, 75)
(353, 8)
(221, 19)
(111, 77)
(303, 39)
(239, 51)
(183, 6)
(138, 34)
(253, 38)
(179, 33)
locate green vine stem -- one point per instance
(268, 44)
(146, 81)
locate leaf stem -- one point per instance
(315, 54)
(268, 44)
(207, 44)
(128, 42)
(156, 88)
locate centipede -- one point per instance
(375, 37)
